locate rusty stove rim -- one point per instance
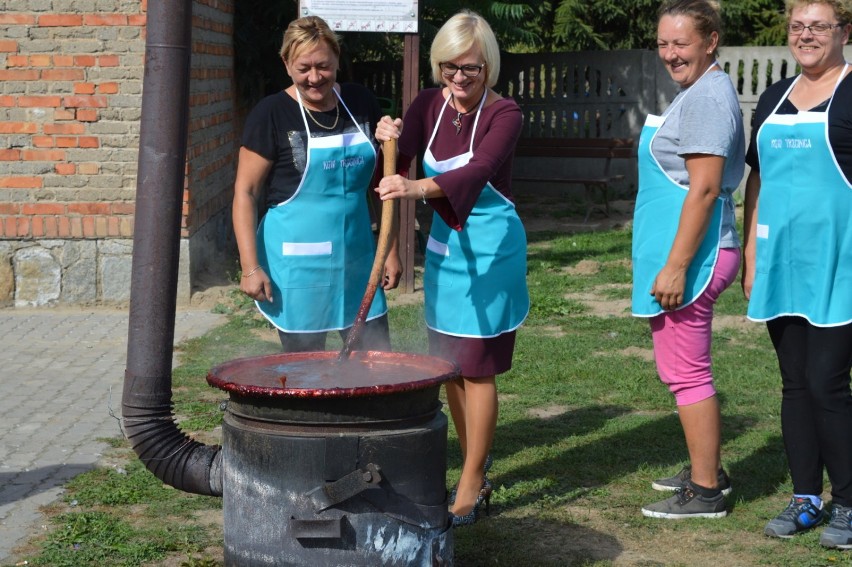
(253, 391)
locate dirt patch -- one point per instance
(550, 331)
(212, 287)
(583, 268)
(548, 412)
(600, 305)
(646, 354)
(736, 322)
(210, 297)
(506, 397)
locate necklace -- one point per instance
(457, 120)
(336, 118)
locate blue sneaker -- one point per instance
(799, 515)
(838, 534)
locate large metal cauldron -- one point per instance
(335, 463)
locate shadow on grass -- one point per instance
(545, 543)
(551, 472)
(760, 473)
(586, 465)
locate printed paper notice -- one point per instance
(386, 16)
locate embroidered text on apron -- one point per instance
(803, 247)
(317, 246)
(655, 221)
(475, 279)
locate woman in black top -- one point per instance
(310, 148)
(797, 269)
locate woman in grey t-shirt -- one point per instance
(685, 246)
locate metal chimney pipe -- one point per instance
(147, 396)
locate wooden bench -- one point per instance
(599, 149)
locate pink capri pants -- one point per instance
(682, 337)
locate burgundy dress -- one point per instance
(493, 150)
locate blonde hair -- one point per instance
(461, 32)
(706, 16)
(842, 8)
(307, 32)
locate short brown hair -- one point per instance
(705, 14)
(307, 32)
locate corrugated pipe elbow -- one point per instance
(166, 451)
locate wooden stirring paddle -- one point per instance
(386, 232)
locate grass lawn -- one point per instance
(585, 425)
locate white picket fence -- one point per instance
(601, 94)
(609, 94)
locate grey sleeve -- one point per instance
(707, 126)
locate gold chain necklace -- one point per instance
(336, 118)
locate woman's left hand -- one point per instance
(668, 287)
(395, 187)
(388, 129)
(393, 271)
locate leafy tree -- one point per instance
(575, 25)
(607, 24)
(754, 22)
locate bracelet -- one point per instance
(423, 194)
(256, 268)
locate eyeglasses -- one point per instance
(815, 29)
(469, 71)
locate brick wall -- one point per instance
(213, 141)
(70, 97)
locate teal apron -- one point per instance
(655, 220)
(475, 279)
(803, 244)
(317, 247)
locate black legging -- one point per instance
(374, 336)
(816, 406)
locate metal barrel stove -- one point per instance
(335, 463)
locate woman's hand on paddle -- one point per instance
(396, 187)
(388, 129)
